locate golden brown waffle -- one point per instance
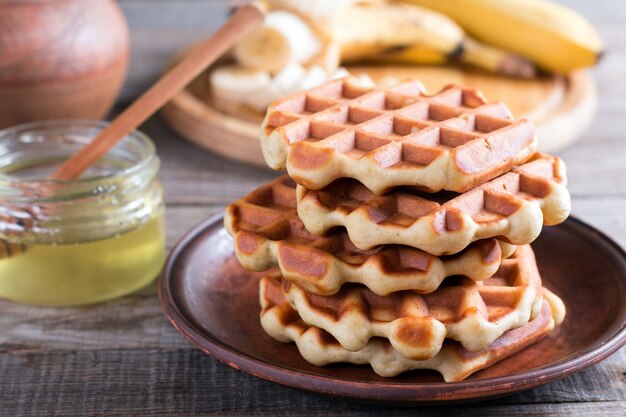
(453, 140)
(474, 313)
(513, 207)
(268, 233)
(454, 362)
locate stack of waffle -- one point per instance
(401, 236)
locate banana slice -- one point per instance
(285, 83)
(329, 57)
(283, 39)
(339, 73)
(234, 84)
(364, 79)
(315, 75)
(294, 78)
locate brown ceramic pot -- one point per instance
(60, 59)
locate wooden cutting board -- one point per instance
(561, 107)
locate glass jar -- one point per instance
(83, 241)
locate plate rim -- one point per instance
(390, 391)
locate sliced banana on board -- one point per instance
(315, 75)
(233, 86)
(285, 83)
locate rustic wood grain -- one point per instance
(123, 357)
(159, 381)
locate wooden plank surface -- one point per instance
(165, 381)
(123, 357)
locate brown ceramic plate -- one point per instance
(213, 302)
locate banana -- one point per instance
(284, 83)
(552, 36)
(363, 79)
(340, 73)
(315, 75)
(234, 84)
(470, 52)
(295, 78)
(283, 39)
(329, 57)
(417, 54)
(368, 27)
(495, 59)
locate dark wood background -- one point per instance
(124, 358)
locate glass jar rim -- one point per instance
(137, 136)
(120, 192)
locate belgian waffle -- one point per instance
(513, 207)
(473, 313)
(268, 233)
(454, 362)
(453, 140)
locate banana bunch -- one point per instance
(506, 36)
(469, 51)
(553, 37)
(368, 27)
(406, 33)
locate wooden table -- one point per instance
(124, 358)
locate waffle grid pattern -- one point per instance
(401, 236)
(321, 265)
(455, 363)
(473, 313)
(452, 140)
(513, 207)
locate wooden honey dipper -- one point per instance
(245, 18)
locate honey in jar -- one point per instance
(76, 242)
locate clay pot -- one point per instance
(60, 59)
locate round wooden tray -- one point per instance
(213, 302)
(562, 107)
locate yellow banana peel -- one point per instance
(368, 27)
(553, 36)
(469, 51)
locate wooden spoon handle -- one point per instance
(242, 21)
